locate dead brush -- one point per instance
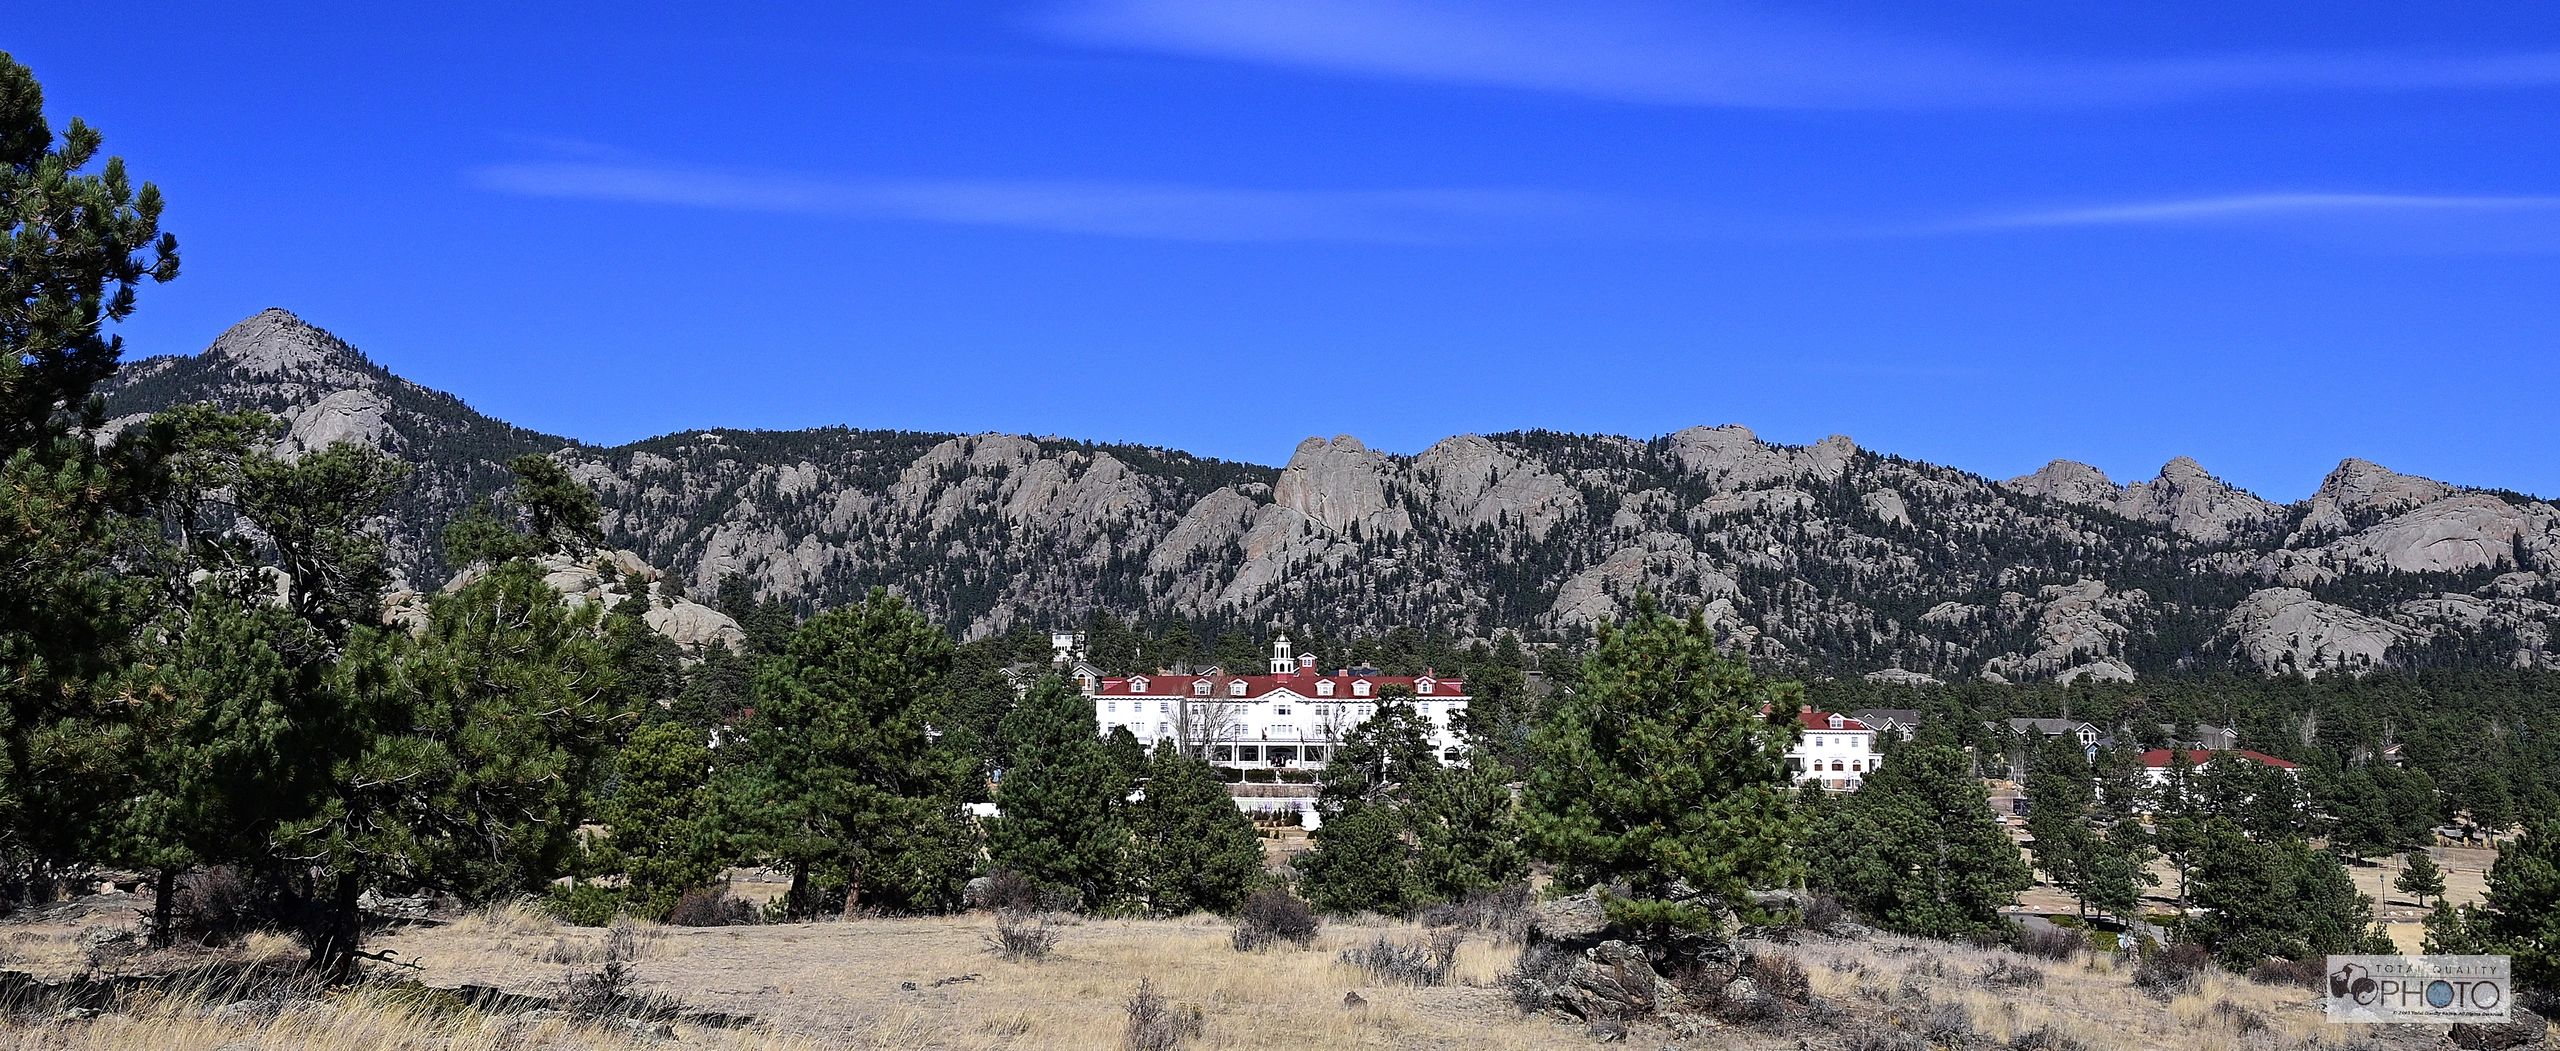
(2010, 973)
(1271, 916)
(2168, 973)
(1390, 962)
(1023, 936)
(1157, 1024)
(606, 991)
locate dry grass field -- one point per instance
(934, 984)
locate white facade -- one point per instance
(1291, 716)
(1836, 752)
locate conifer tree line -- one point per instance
(201, 676)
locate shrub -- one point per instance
(1947, 1025)
(1295, 776)
(711, 907)
(1023, 936)
(2048, 943)
(1822, 912)
(2008, 973)
(1779, 975)
(1532, 978)
(1271, 915)
(2242, 1019)
(2309, 974)
(1230, 774)
(213, 906)
(1156, 1024)
(2168, 972)
(2045, 1038)
(585, 904)
(1389, 962)
(606, 991)
(1259, 777)
(1504, 912)
(1884, 1040)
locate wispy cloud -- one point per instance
(2422, 223)
(1155, 211)
(2264, 207)
(1719, 55)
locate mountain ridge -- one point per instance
(1826, 557)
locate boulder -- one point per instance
(1577, 919)
(1613, 980)
(2524, 1031)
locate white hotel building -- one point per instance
(1836, 752)
(1291, 716)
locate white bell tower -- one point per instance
(1281, 662)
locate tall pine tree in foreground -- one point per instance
(76, 242)
(1059, 807)
(838, 780)
(1917, 849)
(1667, 766)
(1192, 849)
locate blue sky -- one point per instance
(1984, 234)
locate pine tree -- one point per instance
(75, 245)
(2178, 821)
(1467, 834)
(1060, 804)
(2420, 878)
(838, 780)
(2060, 795)
(1917, 849)
(662, 829)
(1385, 759)
(2281, 899)
(1362, 861)
(1667, 767)
(2520, 915)
(1193, 849)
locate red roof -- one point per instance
(2158, 758)
(1303, 684)
(1822, 721)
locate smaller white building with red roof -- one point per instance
(1836, 752)
(2155, 763)
(1292, 716)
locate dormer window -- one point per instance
(1360, 688)
(1837, 722)
(1423, 685)
(1324, 688)
(1235, 688)
(1199, 687)
(1138, 684)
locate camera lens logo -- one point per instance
(2355, 983)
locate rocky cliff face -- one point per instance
(1827, 558)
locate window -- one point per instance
(1164, 729)
(1251, 753)
(1163, 707)
(1835, 766)
(1360, 689)
(1222, 754)
(1199, 687)
(1235, 688)
(1281, 708)
(1324, 688)
(1315, 753)
(1111, 706)
(1837, 722)
(1138, 684)
(1857, 768)
(1423, 686)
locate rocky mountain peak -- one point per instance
(273, 343)
(2187, 498)
(1339, 483)
(2071, 482)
